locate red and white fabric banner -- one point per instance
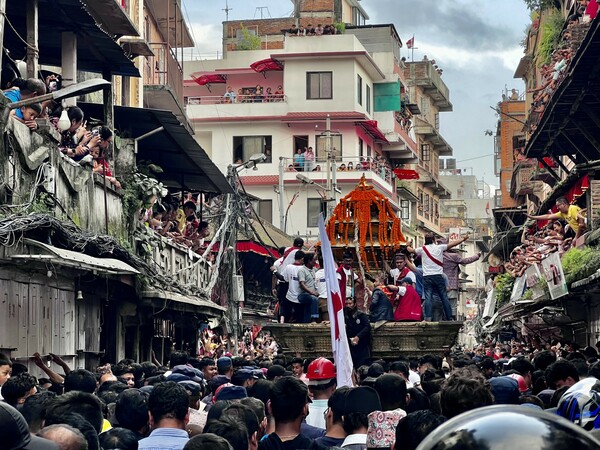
(335, 307)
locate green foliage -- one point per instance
(340, 27)
(550, 37)
(580, 263)
(248, 41)
(528, 294)
(42, 204)
(534, 5)
(139, 191)
(504, 287)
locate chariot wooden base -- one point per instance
(390, 340)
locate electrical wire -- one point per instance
(37, 52)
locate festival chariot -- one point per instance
(364, 222)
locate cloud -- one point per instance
(452, 23)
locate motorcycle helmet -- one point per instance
(503, 427)
(581, 404)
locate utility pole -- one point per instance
(331, 168)
(227, 9)
(281, 213)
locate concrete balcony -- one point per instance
(424, 75)
(430, 134)
(521, 183)
(214, 107)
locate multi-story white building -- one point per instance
(360, 87)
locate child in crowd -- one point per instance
(28, 114)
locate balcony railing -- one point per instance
(163, 69)
(224, 100)
(347, 169)
(425, 75)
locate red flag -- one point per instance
(487, 208)
(339, 341)
(410, 43)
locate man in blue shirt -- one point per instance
(24, 89)
(168, 405)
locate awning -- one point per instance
(97, 51)
(135, 46)
(250, 246)
(185, 164)
(406, 174)
(209, 78)
(338, 116)
(266, 65)
(370, 126)
(160, 299)
(113, 17)
(40, 251)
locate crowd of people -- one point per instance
(305, 160)
(84, 145)
(559, 235)
(554, 72)
(423, 288)
(282, 402)
(257, 94)
(181, 222)
(309, 30)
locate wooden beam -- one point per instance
(32, 38)
(549, 169)
(579, 152)
(591, 138)
(560, 164)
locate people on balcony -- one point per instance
(21, 89)
(278, 96)
(569, 213)
(309, 160)
(299, 160)
(28, 115)
(99, 155)
(230, 96)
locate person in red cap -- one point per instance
(321, 384)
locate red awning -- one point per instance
(266, 65)
(209, 78)
(370, 126)
(406, 174)
(251, 246)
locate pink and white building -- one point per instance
(360, 88)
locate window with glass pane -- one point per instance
(336, 147)
(405, 209)
(368, 99)
(246, 146)
(319, 85)
(265, 210)
(359, 89)
(315, 206)
(425, 152)
(360, 147)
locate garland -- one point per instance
(354, 211)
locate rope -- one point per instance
(37, 52)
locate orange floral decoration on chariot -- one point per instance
(378, 224)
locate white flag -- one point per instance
(335, 307)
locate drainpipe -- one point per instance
(144, 136)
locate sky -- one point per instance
(475, 42)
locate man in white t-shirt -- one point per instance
(290, 274)
(401, 271)
(321, 286)
(432, 258)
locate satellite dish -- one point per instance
(494, 260)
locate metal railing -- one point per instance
(164, 69)
(236, 99)
(375, 165)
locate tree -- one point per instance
(248, 41)
(533, 5)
